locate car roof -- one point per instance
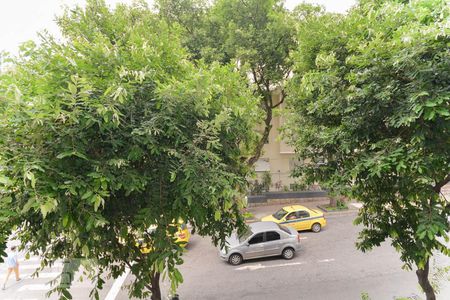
(292, 208)
(263, 226)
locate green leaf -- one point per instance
(72, 88)
(5, 180)
(87, 194)
(66, 293)
(71, 153)
(65, 220)
(217, 215)
(30, 176)
(85, 250)
(98, 201)
(48, 206)
(173, 176)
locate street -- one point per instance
(327, 267)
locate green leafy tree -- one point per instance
(371, 97)
(255, 36)
(113, 131)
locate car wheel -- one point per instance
(235, 259)
(316, 227)
(288, 253)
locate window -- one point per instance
(293, 163)
(245, 235)
(256, 239)
(292, 216)
(301, 214)
(279, 214)
(272, 236)
(284, 228)
(262, 165)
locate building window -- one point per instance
(262, 165)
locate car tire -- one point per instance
(235, 259)
(288, 253)
(316, 227)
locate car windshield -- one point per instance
(279, 214)
(285, 229)
(245, 235)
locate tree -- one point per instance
(256, 36)
(114, 131)
(372, 99)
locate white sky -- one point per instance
(21, 19)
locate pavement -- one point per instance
(36, 287)
(261, 211)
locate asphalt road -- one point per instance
(328, 267)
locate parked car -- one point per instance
(261, 239)
(182, 237)
(299, 218)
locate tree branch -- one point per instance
(283, 95)
(440, 184)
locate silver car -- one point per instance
(260, 240)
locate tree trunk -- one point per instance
(264, 138)
(333, 202)
(156, 289)
(422, 275)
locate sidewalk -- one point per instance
(261, 211)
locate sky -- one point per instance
(20, 20)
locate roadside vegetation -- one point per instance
(371, 97)
(113, 131)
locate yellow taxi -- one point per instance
(182, 237)
(299, 218)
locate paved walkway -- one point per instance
(260, 211)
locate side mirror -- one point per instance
(247, 244)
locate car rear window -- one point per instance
(284, 228)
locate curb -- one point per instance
(324, 209)
(341, 213)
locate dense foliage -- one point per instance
(256, 36)
(114, 131)
(371, 97)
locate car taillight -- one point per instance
(298, 237)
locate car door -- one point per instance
(304, 220)
(255, 246)
(292, 220)
(272, 244)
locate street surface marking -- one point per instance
(303, 237)
(27, 267)
(260, 266)
(34, 287)
(11, 277)
(112, 294)
(21, 298)
(326, 260)
(28, 275)
(47, 275)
